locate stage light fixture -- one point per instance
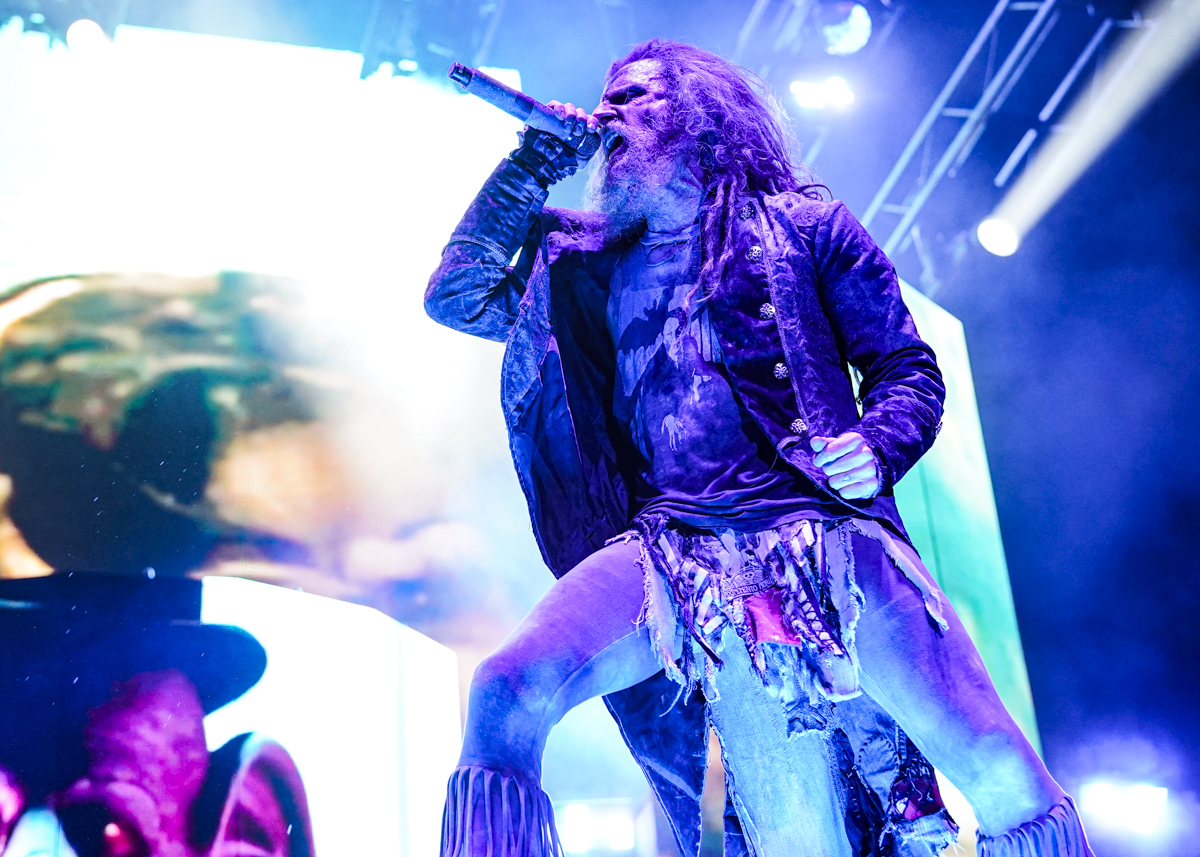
(86, 37)
(1159, 47)
(849, 30)
(834, 92)
(998, 237)
(1138, 807)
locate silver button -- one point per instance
(746, 211)
(766, 311)
(755, 253)
(781, 371)
(798, 426)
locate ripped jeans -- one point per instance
(602, 628)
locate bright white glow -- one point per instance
(839, 92)
(998, 236)
(1138, 808)
(598, 826)
(408, 66)
(368, 708)
(86, 38)
(851, 35)
(834, 92)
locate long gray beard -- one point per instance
(629, 194)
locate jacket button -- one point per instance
(755, 253)
(781, 371)
(766, 311)
(746, 211)
(798, 426)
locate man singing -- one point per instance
(715, 496)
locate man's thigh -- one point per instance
(934, 683)
(581, 640)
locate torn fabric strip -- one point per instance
(793, 584)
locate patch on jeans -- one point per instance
(751, 579)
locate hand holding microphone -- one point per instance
(558, 138)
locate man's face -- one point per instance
(643, 147)
(635, 115)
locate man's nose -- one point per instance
(604, 113)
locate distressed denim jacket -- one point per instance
(808, 294)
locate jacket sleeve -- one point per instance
(474, 289)
(901, 390)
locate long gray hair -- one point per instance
(744, 140)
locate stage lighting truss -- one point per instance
(911, 180)
(55, 17)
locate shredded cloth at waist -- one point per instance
(793, 584)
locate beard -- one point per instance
(627, 186)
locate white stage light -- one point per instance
(86, 37)
(838, 92)
(998, 236)
(1145, 62)
(834, 92)
(1138, 808)
(851, 34)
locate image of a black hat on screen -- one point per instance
(104, 683)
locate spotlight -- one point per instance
(1138, 70)
(86, 37)
(998, 236)
(846, 27)
(1137, 808)
(834, 92)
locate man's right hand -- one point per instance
(547, 158)
(580, 116)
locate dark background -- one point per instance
(1084, 344)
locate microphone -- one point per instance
(532, 113)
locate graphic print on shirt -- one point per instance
(704, 459)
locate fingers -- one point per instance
(864, 490)
(851, 460)
(848, 463)
(862, 473)
(578, 118)
(837, 447)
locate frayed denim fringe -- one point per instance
(696, 583)
(1058, 833)
(514, 818)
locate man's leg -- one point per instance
(581, 640)
(779, 770)
(936, 687)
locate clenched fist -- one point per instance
(849, 464)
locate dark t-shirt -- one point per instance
(705, 461)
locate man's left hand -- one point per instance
(849, 464)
